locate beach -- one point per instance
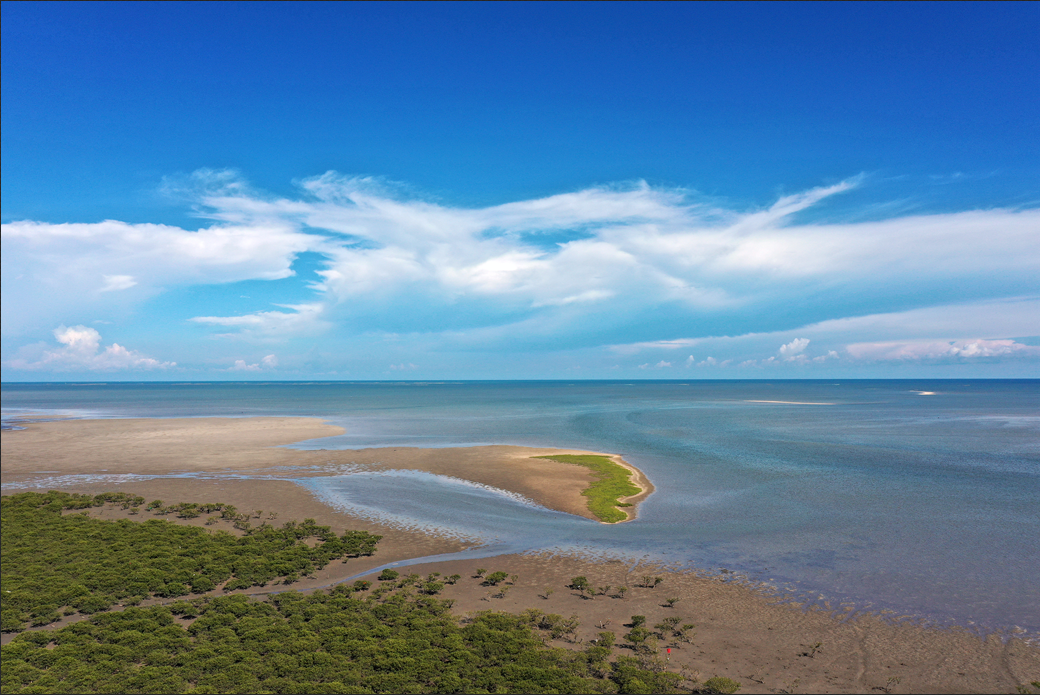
(744, 630)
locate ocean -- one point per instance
(918, 497)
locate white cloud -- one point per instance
(794, 348)
(914, 335)
(268, 362)
(940, 350)
(403, 367)
(302, 318)
(50, 270)
(641, 240)
(1010, 316)
(831, 355)
(118, 282)
(602, 265)
(82, 351)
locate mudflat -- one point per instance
(743, 631)
(213, 445)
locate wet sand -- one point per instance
(256, 445)
(743, 632)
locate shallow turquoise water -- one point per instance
(876, 493)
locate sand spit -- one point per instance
(111, 450)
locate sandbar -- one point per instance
(45, 451)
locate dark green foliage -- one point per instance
(432, 587)
(718, 684)
(638, 635)
(54, 561)
(388, 575)
(321, 643)
(495, 577)
(349, 640)
(630, 677)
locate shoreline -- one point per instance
(260, 445)
(640, 480)
(744, 632)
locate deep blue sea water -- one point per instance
(914, 496)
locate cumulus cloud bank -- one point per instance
(82, 351)
(268, 362)
(794, 348)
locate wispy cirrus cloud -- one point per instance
(938, 350)
(622, 248)
(52, 270)
(301, 319)
(634, 267)
(924, 335)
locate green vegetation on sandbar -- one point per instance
(55, 563)
(613, 481)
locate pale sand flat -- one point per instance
(165, 446)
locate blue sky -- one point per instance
(425, 191)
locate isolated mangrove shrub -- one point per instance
(719, 684)
(495, 577)
(630, 677)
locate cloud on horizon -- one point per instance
(634, 267)
(82, 351)
(941, 350)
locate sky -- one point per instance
(225, 191)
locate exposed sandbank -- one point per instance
(257, 445)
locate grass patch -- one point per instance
(612, 481)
